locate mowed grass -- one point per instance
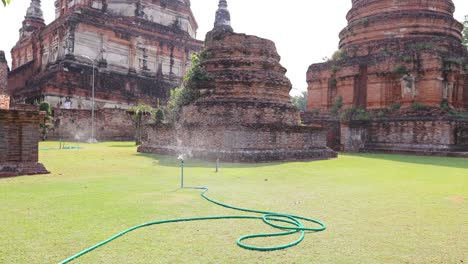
(378, 209)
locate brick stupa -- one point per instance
(4, 98)
(19, 133)
(399, 82)
(244, 112)
(394, 52)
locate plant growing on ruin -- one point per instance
(444, 105)
(381, 113)
(421, 46)
(315, 111)
(138, 112)
(188, 92)
(47, 122)
(159, 116)
(354, 114)
(180, 97)
(197, 72)
(335, 69)
(300, 101)
(419, 107)
(365, 22)
(394, 107)
(337, 105)
(339, 55)
(400, 70)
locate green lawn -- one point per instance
(378, 209)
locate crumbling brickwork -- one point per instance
(402, 66)
(243, 112)
(75, 124)
(4, 98)
(394, 52)
(136, 50)
(433, 136)
(19, 137)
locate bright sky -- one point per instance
(305, 31)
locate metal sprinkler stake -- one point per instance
(181, 158)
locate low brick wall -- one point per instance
(331, 124)
(247, 143)
(423, 136)
(19, 137)
(110, 124)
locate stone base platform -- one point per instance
(247, 156)
(12, 169)
(419, 136)
(249, 143)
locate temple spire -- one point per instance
(34, 11)
(223, 17)
(33, 20)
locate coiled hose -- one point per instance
(293, 225)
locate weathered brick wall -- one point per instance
(434, 137)
(148, 58)
(330, 123)
(249, 143)
(379, 67)
(19, 137)
(110, 124)
(4, 98)
(353, 137)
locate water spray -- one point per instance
(287, 224)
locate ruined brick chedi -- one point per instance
(139, 50)
(243, 112)
(19, 134)
(394, 52)
(4, 98)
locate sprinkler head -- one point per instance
(181, 158)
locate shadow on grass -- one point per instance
(172, 161)
(461, 163)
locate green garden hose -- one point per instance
(293, 225)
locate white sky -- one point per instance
(305, 31)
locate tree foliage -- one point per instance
(300, 101)
(5, 2)
(47, 122)
(339, 55)
(138, 112)
(337, 105)
(188, 92)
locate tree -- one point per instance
(465, 32)
(46, 124)
(5, 2)
(300, 101)
(138, 112)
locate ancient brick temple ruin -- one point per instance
(243, 112)
(132, 51)
(19, 134)
(4, 97)
(394, 55)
